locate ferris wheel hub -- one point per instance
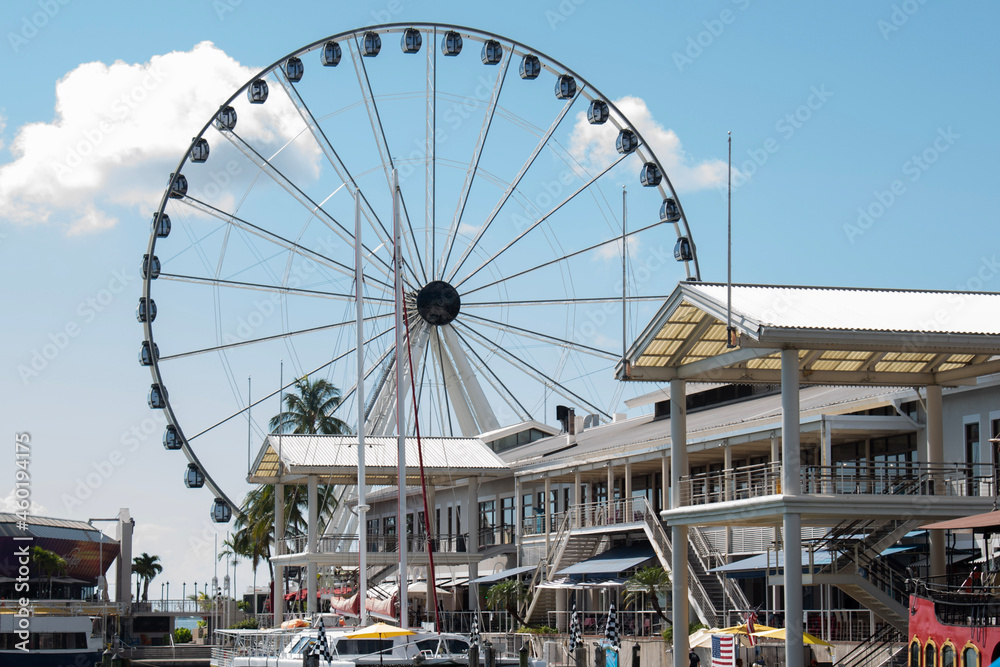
(438, 303)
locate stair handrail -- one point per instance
(543, 568)
(737, 599)
(863, 652)
(697, 595)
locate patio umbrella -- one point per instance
(379, 631)
(321, 647)
(575, 632)
(779, 633)
(474, 632)
(611, 631)
(742, 630)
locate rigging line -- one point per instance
(562, 259)
(283, 388)
(474, 165)
(219, 282)
(302, 251)
(524, 411)
(420, 457)
(286, 183)
(413, 236)
(513, 184)
(580, 347)
(549, 302)
(217, 348)
(528, 368)
(333, 157)
(542, 219)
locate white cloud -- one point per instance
(119, 130)
(9, 505)
(613, 250)
(594, 147)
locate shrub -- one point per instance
(182, 636)
(245, 624)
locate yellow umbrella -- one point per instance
(779, 633)
(742, 630)
(379, 631)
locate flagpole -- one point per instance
(400, 398)
(359, 397)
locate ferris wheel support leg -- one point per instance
(477, 399)
(456, 392)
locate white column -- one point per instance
(935, 456)
(665, 481)
(611, 492)
(279, 569)
(518, 517)
(678, 566)
(727, 457)
(311, 535)
(826, 456)
(627, 505)
(578, 511)
(547, 514)
(473, 520)
(791, 486)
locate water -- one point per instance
(189, 622)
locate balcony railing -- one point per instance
(874, 478)
(588, 515)
(379, 543)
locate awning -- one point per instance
(568, 583)
(612, 561)
(772, 560)
(987, 522)
(504, 574)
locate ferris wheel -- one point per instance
(523, 275)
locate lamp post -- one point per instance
(195, 596)
(225, 586)
(161, 593)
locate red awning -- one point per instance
(987, 522)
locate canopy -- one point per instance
(379, 631)
(779, 633)
(504, 574)
(986, 522)
(612, 561)
(742, 630)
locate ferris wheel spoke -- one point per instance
(529, 369)
(543, 142)
(575, 253)
(284, 387)
(498, 385)
(473, 165)
(545, 338)
(332, 156)
(562, 302)
(282, 242)
(542, 219)
(385, 154)
(237, 284)
(315, 209)
(412, 252)
(439, 368)
(262, 339)
(430, 153)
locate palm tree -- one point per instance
(48, 563)
(147, 567)
(506, 596)
(649, 582)
(311, 410)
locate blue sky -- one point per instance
(861, 139)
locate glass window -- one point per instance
(972, 442)
(947, 656)
(914, 654)
(930, 655)
(970, 657)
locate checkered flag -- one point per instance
(321, 648)
(611, 631)
(474, 632)
(575, 631)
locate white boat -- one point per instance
(52, 641)
(284, 648)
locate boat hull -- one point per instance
(49, 658)
(939, 624)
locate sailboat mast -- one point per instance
(359, 394)
(400, 414)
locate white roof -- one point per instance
(334, 458)
(860, 309)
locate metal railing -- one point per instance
(381, 543)
(871, 478)
(590, 515)
(629, 623)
